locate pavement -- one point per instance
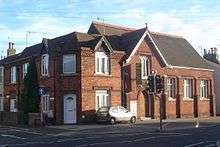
(176, 133)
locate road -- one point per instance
(175, 134)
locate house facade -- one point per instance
(109, 66)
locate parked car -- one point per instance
(114, 114)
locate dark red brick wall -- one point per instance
(172, 109)
(91, 82)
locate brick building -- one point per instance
(109, 65)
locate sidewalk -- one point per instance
(168, 124)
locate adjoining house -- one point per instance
(109, 65)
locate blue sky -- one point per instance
(196, 20)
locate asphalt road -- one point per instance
(176, 134)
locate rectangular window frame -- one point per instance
(45, 65)
(13, 75)
(171, 88)
(145, 67)
(45, 103)
(73, 63)
(1, 75)
(1, 103)
(203, 89)
(102, 63)
(102, 98)
(13, 105)
(188, 89)
(25, 68)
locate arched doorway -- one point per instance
(149, 104)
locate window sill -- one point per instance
(188, 99)
(69, 74)
(102, 75)
(204, 99)
(171, 99)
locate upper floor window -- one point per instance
(1, 75)
(171, 87)
(101, 63)
(203, 89)
(145, 67)
(69, 63)
(25, 68)
(44, 64)
(188, 88)
(13, 74)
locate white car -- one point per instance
(114, 114)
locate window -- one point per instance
(102, 99)
(144, 67)
(25, 68)
(101, 63)
(13, 105)
(13, 74)
(1, 75)
(188, 88)
(1, 104)
(171, 87)
(69, 63)
(203, 89)
(45, 103)
(44, 64)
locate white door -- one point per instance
(69, 112)
(133, 106)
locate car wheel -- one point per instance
(112, 121)
(133, 119)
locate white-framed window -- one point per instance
(145, 67)
(45, 103)
(25, 68)
(69, 63)
(1, 104)
(203, 89)
(101, 63)
(44, 65)
(102, 99)
(13, 74)
(171, 87)
(188, 88)
(13, 105)
(1, 75)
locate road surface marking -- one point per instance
(194, 144)
(12, 136)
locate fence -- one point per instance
(11, 118)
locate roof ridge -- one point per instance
(166, 34)
(114, 26)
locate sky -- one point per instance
(26, 22)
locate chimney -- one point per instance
(11, 50)
(9, 45)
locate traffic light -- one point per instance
(151, 83)
(159, 84)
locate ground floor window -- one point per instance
(13, 105)
(102, 99)
(1, 104)
(45, 104)
(203, 89)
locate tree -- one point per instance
(29, 96)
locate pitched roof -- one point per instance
(107, 29)
(177, 51)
